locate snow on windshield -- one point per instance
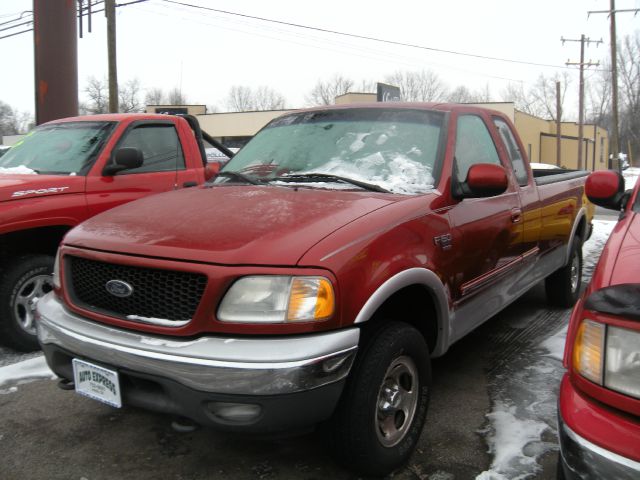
(396, 149)
(398, 175)
(20, 170)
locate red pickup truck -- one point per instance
(599, 400)
(68, 170)
(354, 244)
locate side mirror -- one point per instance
(483, 180)
(606, 189)
(125, 158)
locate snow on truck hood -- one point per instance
(19, 186)
(231, 225)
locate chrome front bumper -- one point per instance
(217, 364)
(584, 460)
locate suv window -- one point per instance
(473, 145)
(515, 155)
(160, 147)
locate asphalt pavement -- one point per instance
(47, 433)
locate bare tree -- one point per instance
(419, 86)
(129, 95)
(154, 96)
(460, 94)
(244, 99)
(175, 97)
(598, 101)
(97, 94)
(240, 99)
(13, 122)
(266, 98)
(540, 99)
(629, 82)
(326, 91)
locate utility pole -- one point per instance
(581, 64)
(558, 124)
(614, 144)
(55, 59)
(110, 13)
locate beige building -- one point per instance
(234, 129)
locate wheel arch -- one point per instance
(579, 229)
(39, 240)
(420, 297)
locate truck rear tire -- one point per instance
(383, 408)
(22, 283)
(563, 286)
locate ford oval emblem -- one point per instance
(118, 288)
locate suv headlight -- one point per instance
(609, 356)
(278, 299)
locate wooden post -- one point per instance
(558, 125)
(581, 103)
(110, 12)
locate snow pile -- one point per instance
(631, 175)
(21, 170)
(24, 371)
(512, 443)
(555, 344)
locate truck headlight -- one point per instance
(278, 299)
(622, 372)
(608, 356)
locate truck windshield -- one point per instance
(58, 149)
(397, 150)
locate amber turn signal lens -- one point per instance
(588, 350)
(311, 299)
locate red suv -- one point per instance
(599, 402)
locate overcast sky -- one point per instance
(205, 53)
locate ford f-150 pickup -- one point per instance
(355, 243)
(68, 170)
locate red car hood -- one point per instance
(231, 225)
(16, 187)
(620, 257)
(628, 261)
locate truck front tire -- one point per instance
(563, 286)
(381, 414)
(22, 283)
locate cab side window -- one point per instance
(515, 155)
(473, 145)
(160, 147)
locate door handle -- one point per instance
(190, 184)
(516, 215)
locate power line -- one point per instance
(340, 46)
(82, 14)
(364, 37)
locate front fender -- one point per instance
(407, 278)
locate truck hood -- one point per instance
(16, 187)
(230, 225)
(626, 265)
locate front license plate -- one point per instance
(97, 382)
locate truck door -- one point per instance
(163, 162)
(529, 199)
(489, 229)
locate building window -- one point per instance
(601, 149)
(529, 152)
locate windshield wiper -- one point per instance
(239, 176)
(319, 177)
